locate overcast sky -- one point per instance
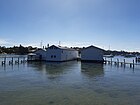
(103, 23)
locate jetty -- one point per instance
(121, 63)
(12, 60)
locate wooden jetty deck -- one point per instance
(12, 60)
(121, 63)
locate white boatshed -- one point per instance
(39, 54)
(92, 54)
(58, 53)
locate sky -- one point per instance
(108, 24)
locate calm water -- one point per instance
(69, 83)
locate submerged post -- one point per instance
(2, 63)
(117, 61)
(130, 65)
(121, 64)
(5, 60)
(12, 60)
(133, 63)
(18, 59)
(111, 61)
(23, 59)
(124, 62)
(104, 60)
(136, 59)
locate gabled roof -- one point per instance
(39, 49)
(63, 48)
(31, 54)
(94, 47)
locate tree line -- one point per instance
(20, 50)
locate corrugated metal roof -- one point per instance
(31, 54)
(63, 48)
(93, 47)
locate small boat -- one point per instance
(109, 56)
(129, 55)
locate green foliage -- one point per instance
(16, 50)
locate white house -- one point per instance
(92, 53)
(39, 54)
(57, 53)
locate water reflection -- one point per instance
(52, 69)
(92, 69)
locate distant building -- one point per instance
(92, 54)
(58, 53)
(54, 53)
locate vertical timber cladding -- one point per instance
(92, 54)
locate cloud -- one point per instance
(11, 43)
(4, 42)
(7, 42)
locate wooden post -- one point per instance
(130, 65)
(3, 63)
(9, 62)
(105, 60)
(18, 59)
(133, 63)
(124, 62)
(24, 59)
(121, 63)
(117, 62)
(5, 60)
(111, 61)
(12, 60)
(136, 59)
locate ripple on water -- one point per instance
(113, 95)
(99, 91)
(51, 102)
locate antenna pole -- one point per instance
(109, 47)
(41, 44)
(59, 43)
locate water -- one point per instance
(68, 83)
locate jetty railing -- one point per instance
(12, 60)
(121, 63)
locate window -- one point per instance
(53, 56)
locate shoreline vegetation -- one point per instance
(21, 50)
